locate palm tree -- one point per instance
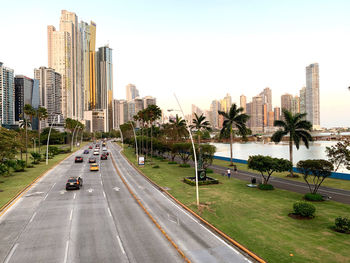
(24, 124)
(298, 129)
(42, 115)
(29, 111)
(235, 118)
(200, 124)
(178, 127)
(154, 113)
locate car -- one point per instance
(104, 149)
(94, 167)
(90, 147)
(103, 156)
(96, 152)
(92, 160)
(79, 159)
(86, 152)
(74, 183)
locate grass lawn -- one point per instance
(11, 185)
(329, 182)
(259, 219)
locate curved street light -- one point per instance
(194, 149)
(48, 137)
(137, 151)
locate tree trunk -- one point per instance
(291, 156)
(231, 140)
(151, 141)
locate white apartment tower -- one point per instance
(312, 96)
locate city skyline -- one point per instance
(219, 57)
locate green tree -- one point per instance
(154, 113)
(183, 149)
(177, 128)
(339, 154)
(319, 170)
(296, 127)
(235, 118)
(269, 165)
(200, 125)
(207, 154)
(42, 115)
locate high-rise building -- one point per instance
(23, 95)
(120, 113)
(214, 108)
(271, 119)
(249, 113)
(277, 113)
(266, 96)
(295, 104)
(286, 102)
(243, 102)
(195, 110)
(92, 66)
(7, 96)
(104, 88)
(85, 39)
(148, 100)
(312, 101)
(257, 114)
(131, 92)
(226, 103)
(302, 96)
(50, 90)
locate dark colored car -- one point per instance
(86, 151)
(74, 183)
(103, 156)
(92, 160)
(79, 159)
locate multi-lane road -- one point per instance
(102, 222)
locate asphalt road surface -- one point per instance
(102, 222)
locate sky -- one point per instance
(200, 49)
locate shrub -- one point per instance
(209, 171)
(19, 166)
(54, 150)
(342, 224)
(313, 197)
(304, 209)
(206, 182)
(36, 157)
(156, 166)
(266, 187)
(184, 165)
(171, 162)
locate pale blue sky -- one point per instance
(200, 49)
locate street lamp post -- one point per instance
(48, 139)
(194, 149)
(121, 135)
(73, 137)
(137, 151)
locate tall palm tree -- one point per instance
(29, 111)
(178, 127)
(200, 124)
(42, 115)
(24, 124)
(154, 113)
(235, 118)
(296, 127)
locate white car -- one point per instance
(104, 149)
(96, 152)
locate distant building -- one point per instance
(226, 103)
(243, 102)
(195, 110)
(302, 98)
(271, 119)
(148, 100)
(286, 102)
(214, 115)
(295, 105)
(23, 95)
(7, 96)
(257, 114)
(312, 101)
(131, 92)
(266, 96)
(120, 113)
(277, 113)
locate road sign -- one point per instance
(141, 160)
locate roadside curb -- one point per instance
(149, 215)
(14, 199)
(213, 228)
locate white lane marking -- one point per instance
(71, 215)
(101, 183)
(116, 189)
(11, 253)
(66, 252)
(104, 194)
(75, 194)
(46, 196)
(121, 245)
(53, 186)
(109, 212)
(31, 219)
